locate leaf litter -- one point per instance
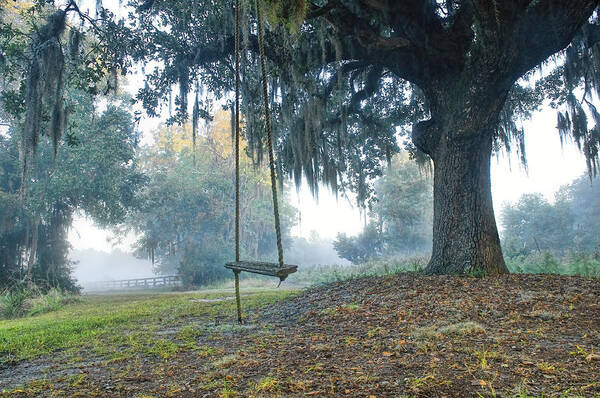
(400, 335)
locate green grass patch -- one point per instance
(113, 326)
(453, 329)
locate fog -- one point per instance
(313, 251)
(94, 265)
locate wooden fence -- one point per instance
(139, 283)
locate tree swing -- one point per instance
(278, 269)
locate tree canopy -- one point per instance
(351, 80)
(95, 173)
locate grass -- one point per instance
(188, 343)
(453, 329)
(115, 326)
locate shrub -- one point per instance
(12, 302)
(573, 263)
(19, 301)
(54, 300)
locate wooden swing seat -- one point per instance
(256, 267)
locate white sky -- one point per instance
(549, 165)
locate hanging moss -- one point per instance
(183, 75)
(74, 42)
(195, 119)
(582, 64)
(44, 87)
(289, 12)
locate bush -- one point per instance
(573, 263)
(19, 302)
(12, 303)
(54, 300)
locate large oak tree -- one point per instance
(465, 59)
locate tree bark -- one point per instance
(458, 138)
(465, 236)
(32, 253)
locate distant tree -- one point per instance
(404, 206)
(315, 250)
(534, 224)
(186, 217)
(572, 223)
(93, 171)
(359, 249)
(583, 196)
(401, 215)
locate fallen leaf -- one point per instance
(387, 354)
(592, 357)
(478, 383)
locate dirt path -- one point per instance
(518, 335)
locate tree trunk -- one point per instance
(32, 253)
(458, 137)
(465, 236)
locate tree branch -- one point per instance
(362, 40)
(547, 26)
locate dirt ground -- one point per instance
(401, 335)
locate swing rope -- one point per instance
(269, 134)
(237, 158)
(282, 269)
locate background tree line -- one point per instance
(537, 235)
(185, 220)
(562, 237)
